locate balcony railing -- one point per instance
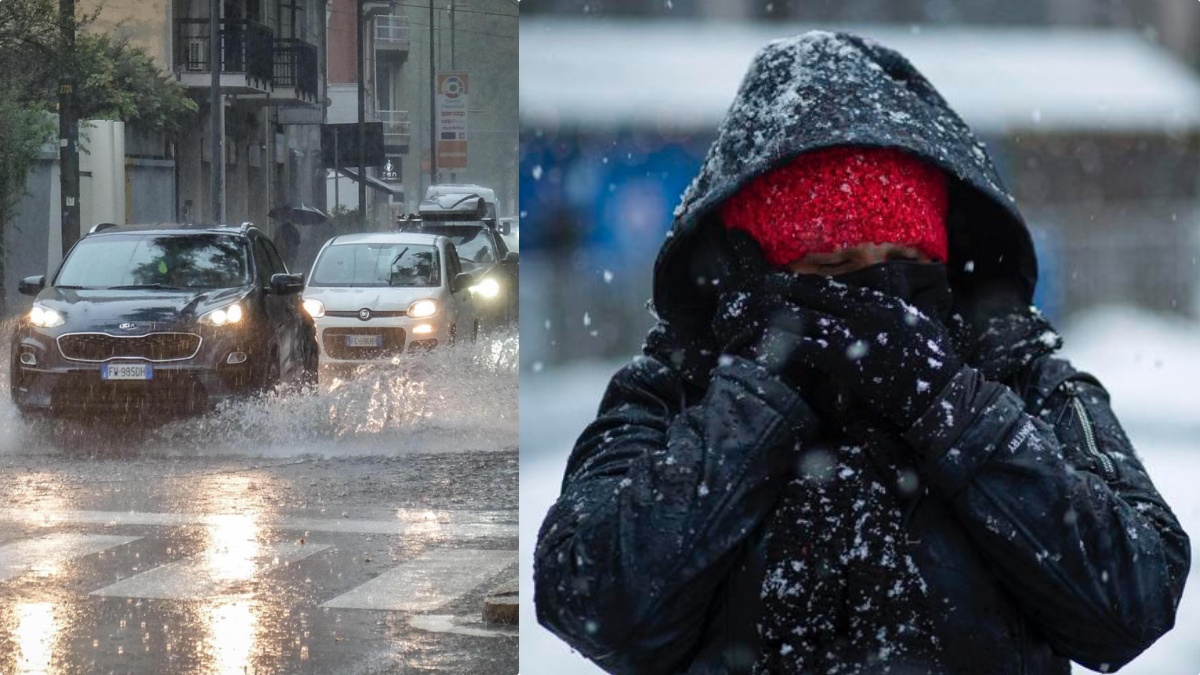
(391, 31)
(246, 48)
(296, 66)
(396, 127)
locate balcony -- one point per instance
(297, 77)
(247, 59)
(397, 130)
(392, 34)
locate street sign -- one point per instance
(339, 144)
(452, 89)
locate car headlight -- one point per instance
(226, 315)
(488, 288)
(422, 309)
(314, 307)
(43, 317)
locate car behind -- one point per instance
(376, 297)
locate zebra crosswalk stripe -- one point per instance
(51, 550)
(427, 582)
(203, 576)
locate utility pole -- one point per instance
(216, 63)
(432, 105)
(362, 111)
(68, 131)
(453, 174)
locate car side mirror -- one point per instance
(32, 285)
(287, 284)
(505, 228)
(512, 258)
(461, 280)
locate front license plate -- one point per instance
(364, 341)
(126, 371)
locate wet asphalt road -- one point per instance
(352, 531)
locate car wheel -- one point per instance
(270, 374)
(312, 362)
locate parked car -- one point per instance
(378, 296)
(162, 318)
(484, 253)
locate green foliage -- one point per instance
(23, 131)
(120, 82)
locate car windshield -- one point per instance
(473, 244)
(156, 261)
(391, 264)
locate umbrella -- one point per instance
(300, 215)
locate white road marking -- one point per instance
(459, 625)
(450, 524)
(425, 583)
(46, 553)
(203, 576)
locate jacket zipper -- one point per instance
(1110, 472)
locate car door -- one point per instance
(464, 301)
(275, 306)
(292, 306)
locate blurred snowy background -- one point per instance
(1091, 109)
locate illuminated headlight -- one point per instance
(422, 309)
(225, 315)
(45, 318)
(488, 288)
(422, 329)
(314, 307)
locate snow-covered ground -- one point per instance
(1149, 363)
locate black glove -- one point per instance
(753, 322)
(893, 357)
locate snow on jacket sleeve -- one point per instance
(1061, 507)
(658, 496)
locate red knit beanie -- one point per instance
(835, 198)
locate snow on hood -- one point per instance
(821, 89)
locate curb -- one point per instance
(500, 606)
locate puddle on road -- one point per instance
(450, 400)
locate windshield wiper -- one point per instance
(134, 287)
(73, 288)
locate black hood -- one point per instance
(823, 89)
(104, 309)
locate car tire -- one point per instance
(269, 379)
(309, 377)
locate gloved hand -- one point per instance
(749, 320)
(893, 357)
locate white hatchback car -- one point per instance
(377, 296)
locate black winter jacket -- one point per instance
(1039, 535)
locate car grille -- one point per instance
(374, 315)
(335, 342)
(99, 347)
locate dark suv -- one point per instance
(164, 318)
(464, 220)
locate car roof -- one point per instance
(387, 238)
(101, 229)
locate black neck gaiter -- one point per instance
(923, 285)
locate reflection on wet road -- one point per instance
(297, 534)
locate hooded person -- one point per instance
(849, 446)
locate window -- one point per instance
(172, 261)
(391, 264)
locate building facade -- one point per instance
(476, 39)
